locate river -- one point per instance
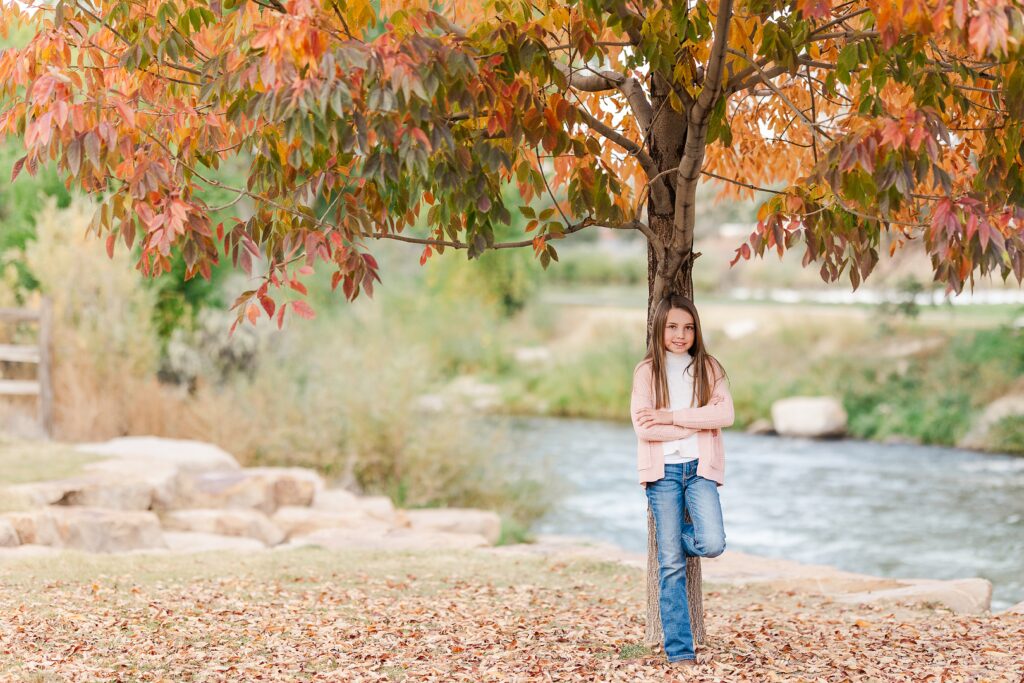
(885, 510)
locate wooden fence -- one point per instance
(37, 354)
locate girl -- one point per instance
(679, 404)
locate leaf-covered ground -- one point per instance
(312, 615)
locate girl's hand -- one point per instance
(649, 416)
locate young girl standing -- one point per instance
(680, 403)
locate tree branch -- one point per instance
(606, 79)
(621, 140)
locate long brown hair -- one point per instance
(703, 381)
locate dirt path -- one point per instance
(468, 616)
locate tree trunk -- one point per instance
(666, 143)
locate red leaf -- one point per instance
(268, 305)
(252, 311)
(111, 239)
(17, 167)
(427, 253)
(280, 316)
(298, 287)
(304, 310)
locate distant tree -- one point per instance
(875, 117)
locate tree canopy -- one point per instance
(870, 122)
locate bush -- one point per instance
(1007, 435)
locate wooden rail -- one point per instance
(37, 354)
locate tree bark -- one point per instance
(667, 140)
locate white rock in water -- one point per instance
(809, 416)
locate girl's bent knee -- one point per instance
(712, 548)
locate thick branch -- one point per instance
(606, 79)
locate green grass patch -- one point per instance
(22, 462)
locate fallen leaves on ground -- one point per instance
(442, 619)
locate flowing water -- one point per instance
(885, 510)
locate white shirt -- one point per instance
(679, 372)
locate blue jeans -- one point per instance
(703, 536)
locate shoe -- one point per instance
(684, 663)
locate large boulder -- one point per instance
(392, 539)
(809, 416)
(457, 521)
(95, 530)
(299, 521)
(262, 488)
(198, 542)
(977, 436)
(186, 455)
(962, 596)
(244, 523)
(113, 488)
(141, 462)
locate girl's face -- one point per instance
(679, 331)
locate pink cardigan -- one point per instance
(707, 421)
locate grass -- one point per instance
(22, 462)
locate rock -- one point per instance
(291, 485)
(198, 542)
(186, 455)
(8, 534)
(336, 500)
(1017, 609)
(108, 491)
(34, 494)
(457, 521)
(379, 507)
(244, 523)
(146, 461)
(299, 521)
(962, 596)
(809, 416)
(393, 539)
(977, 436)
(94, 530)
(761, 426)
(115, 490)
(258, 488)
